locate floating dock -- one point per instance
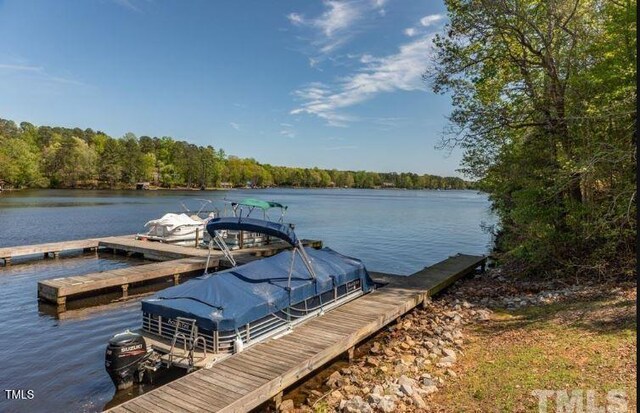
(263, 371)
(175, 261)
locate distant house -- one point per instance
(388, 185)
(143, 185)
(1, 185)
(226, 185)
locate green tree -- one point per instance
(19, 165)
(544, 108)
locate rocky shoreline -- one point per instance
(400, 367)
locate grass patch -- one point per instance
(588, 344)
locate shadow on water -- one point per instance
(138, 389)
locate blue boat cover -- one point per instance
(275, 229)
(230, 299)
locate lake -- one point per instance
(61, 359)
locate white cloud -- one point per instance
(296, 18)
(127, 4)
(339, 16)
(36, 73)
(336, 24)
(411, 31)
(21, 68)
(287, 130)
(401, 71)
(431, 19)
(234, 125)
(366, 58)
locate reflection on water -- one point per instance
(61, 358)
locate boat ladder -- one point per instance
(224, 248)
(189, 343)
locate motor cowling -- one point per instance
(124, 357)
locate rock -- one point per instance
(372, 362)
(336, 395)
(375, 348)
(343, 381)
(406, 385)
(451, 373)
(351, 389)
(427, 381)
(450, 353)
(345, 371)
(430, 389)
(448, 361)
(405, 346)
(406, 389)
(377, 389)
(387, 405)
(388, 352)
(356, 405)
(418, 401)
(407, 359)
(333, 378)
(483, 315)
(286, 405)
(374, 399)
(400, 369)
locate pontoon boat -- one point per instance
(206, 319)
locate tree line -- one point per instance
(57, 157)
(544, 96)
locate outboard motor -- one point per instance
(124, 357)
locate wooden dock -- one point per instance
(48, 249)
(176, 261)
(260, 373)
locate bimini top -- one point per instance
(275, 229)
(230, 299)
(258, 203)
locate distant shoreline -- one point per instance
(229, 189)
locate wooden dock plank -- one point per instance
(70, 286)
(8, 253)
(250, 378)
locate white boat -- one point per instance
(186, 229)
(179, 229)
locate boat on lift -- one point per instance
(209, 318)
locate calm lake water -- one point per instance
(61, 358)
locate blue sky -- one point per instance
(334, 84)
